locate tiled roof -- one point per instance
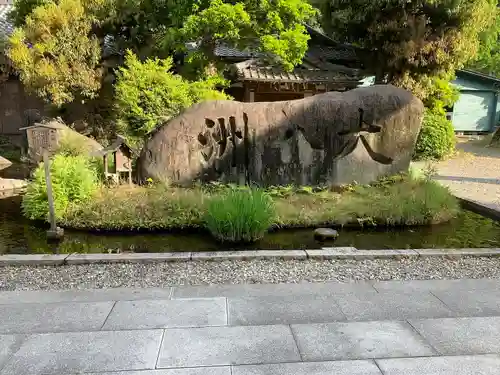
(229, 52)
(252, 70)
(6, 27)
(340, 53)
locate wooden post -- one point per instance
(54, 232)
(105, 161)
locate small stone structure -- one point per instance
(51, 134)
(332, 139)
(122, 160)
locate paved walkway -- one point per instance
(391, 328)
(474, 173)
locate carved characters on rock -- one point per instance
(332, 138)
(359, 134)
(222, 147)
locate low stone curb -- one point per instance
(480, 208)
(32, 259)
(353, 253)
(325, 253)
(250, 254)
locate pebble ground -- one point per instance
(236, 272)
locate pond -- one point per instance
(20, 236)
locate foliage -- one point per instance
(411, 39)
(73, 182)
(272, 27)
(22, 9)
(488, 57)
(54, 53)
(147, 94)
(240, 215)
(398, 201)
(436, 139)
(152, 207)
(73, 144)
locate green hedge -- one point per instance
(436, 139)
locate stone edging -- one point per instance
(325, 253)
(480, 208)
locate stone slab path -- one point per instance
(367, 328)
(473, 174)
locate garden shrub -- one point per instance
(436, 139)
(147, 94)
(240, 215)
(73, 181)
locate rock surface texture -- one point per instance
(328, 139)
(4, 163)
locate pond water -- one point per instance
(19, 236)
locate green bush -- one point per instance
(436, 139)
(73, 181)
(148, 94)
(240, 215)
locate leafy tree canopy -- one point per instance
(409, 39)
(55, 53)
(148, 94)
(161, 27)
(58, 43)
(488, 57)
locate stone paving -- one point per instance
(474, 173)
(367, 328)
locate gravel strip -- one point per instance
(236, 272)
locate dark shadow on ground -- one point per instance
(468, 179)
(479, 147)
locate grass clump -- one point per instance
(240, 215)
(74, 182)
(231, 212)
(153, 207)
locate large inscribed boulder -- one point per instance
(328, 139)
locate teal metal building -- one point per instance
(477, 109)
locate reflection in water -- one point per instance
(18, 235)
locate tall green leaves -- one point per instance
(73, 181)
(240, 215)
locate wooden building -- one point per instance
(327, 66)
(477, 109)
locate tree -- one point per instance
(56, 54)
(488, 57)
(163, 27)
(410, 39)
(56, 45)
(148, 94)
(274, 28)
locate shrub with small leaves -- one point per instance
(436, 139)
(240, 215)
(73, 181)
(148, 94)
